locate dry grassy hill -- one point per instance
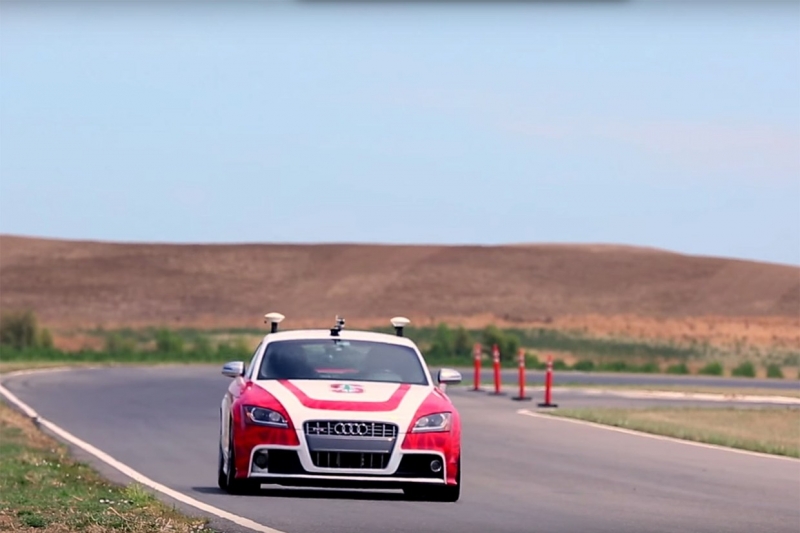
(83, 284)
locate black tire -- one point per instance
(222, 479)
(232, 485)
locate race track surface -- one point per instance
(521, 474)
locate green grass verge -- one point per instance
(441, 346)
(43, 489)
(767, 430)
(534, 339)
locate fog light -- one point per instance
(436, 466)
(261, 460)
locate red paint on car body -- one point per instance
(446, 442)
(247, 435)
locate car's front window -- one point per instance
(342, 359)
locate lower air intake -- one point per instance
(353, 460)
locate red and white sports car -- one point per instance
(338, 408)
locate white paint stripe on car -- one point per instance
(130, 472)
(526, 412)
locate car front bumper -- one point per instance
(286, 466)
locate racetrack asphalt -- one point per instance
(521, 474)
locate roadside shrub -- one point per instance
(744, 370)
(117, 344)
(649, 368)
(45, 338)
(462, 344)
(559, 364)
(20, 330)
(532, 361)
(443, 344)
(238, 350)
(168, 342)
(614, 366)
(711, 369)
(509, 350)
(624, 366)
(792, 359)
(774, 371)
(680, 368)
(508, 343)
(584, 365)
(490, 336)
(202, 346)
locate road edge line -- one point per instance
(648, 394)
(636, 433)
(130, 472)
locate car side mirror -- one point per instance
(448, 376)
(233, 369)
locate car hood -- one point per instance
(348, 400)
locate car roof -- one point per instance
(308, 334)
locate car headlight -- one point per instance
(265, 417)
(435, 422)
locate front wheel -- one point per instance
(222, 478)
(227, 480)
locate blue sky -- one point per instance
(645, 123)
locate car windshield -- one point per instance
(342, 359)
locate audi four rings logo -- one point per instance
(351, 428)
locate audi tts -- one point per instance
(339, 408)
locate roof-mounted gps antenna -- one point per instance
(273, 319)
(399, 322)
(338, 327)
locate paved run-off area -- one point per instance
(521, 473)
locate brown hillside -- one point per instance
(76, 283)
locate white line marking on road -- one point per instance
(18, 373)
(130, 472)
(700, 396)
(22, 406)
(526, 412)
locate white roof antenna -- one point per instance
(399, 322)
(274, 319)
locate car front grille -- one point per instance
(349, 428)
(353, 460)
